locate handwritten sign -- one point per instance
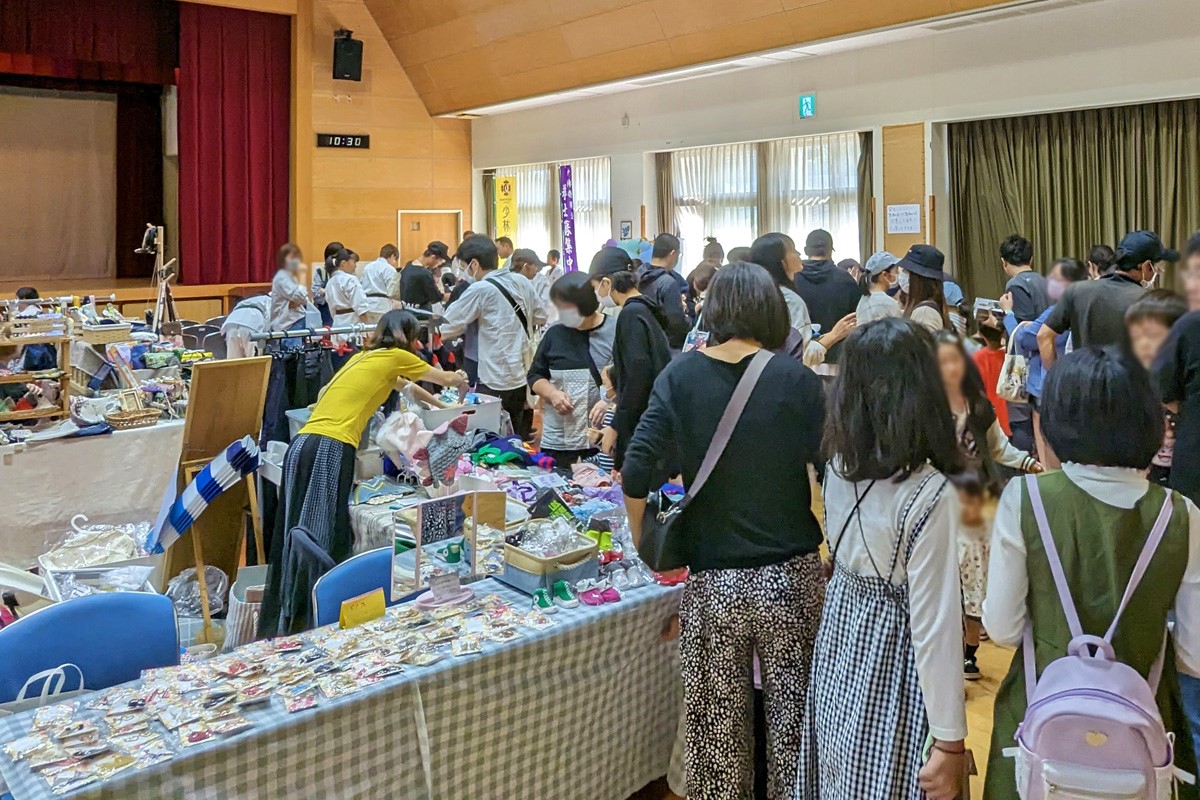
(904, 218)
(446, 586)
(363, 608)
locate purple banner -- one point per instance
(567, 197)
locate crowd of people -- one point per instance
(915, 410)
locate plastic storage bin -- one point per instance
(527, 573)
(485, 416)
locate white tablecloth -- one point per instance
(120, 477)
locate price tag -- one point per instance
(363, 608)
(445, 587)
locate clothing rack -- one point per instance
(318, 333)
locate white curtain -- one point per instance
(58, 217)
(716, 194)
(539, 224)
(812, 182)
(537, 205)
(593, 206)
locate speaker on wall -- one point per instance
(347, 56)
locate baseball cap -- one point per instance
(526, 256)
(1140, 246)
(610, 261)
(880, 261)
(821, 240)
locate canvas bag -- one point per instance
(1092, 728)
(1013, 375)
(659, 545)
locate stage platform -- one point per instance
(135, 295)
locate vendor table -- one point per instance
(120, 477)
(586, 709)
(114, 477)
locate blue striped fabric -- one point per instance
(224, 471)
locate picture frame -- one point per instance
(626, 230)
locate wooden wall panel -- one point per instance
(904, 151)
(462, 54)
(414, 162)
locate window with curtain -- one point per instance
(593, 206)
(812, 182)
(538, 221)
(537, 205)
(715, 193)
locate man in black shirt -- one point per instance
(1028, 288)
(418, 286)
(1094, 311)
(1177, 374)
(828, 291)
(658, 282)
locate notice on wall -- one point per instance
(904, 218)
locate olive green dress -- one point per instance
(1099, 545)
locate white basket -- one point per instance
(270, 465)
(485, 416)
(241, 624)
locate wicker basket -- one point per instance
(125, 420)
(105, 334)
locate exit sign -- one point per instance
(808, 106)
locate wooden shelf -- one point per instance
(20, 377)
(33, 413)
(47, 339)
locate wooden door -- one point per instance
(419, 228)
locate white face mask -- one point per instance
(466, 274)
(570, 317)
(904, 281)
(606, 300)
(293, 264)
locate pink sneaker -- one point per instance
(590, 592)
(610, 595)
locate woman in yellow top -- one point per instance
(318, 471)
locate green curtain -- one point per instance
(664, 180)
(489, 202)
(1070, 180)
(866, 195)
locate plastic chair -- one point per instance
(190, 342)
(356, 575)
(215, 344)
(110, 637)
(215, 322)
(200, 331)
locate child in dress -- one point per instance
(974, 543)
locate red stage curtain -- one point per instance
(234, 134)
(131, 41)
(139, 177)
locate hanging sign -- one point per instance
(567, 196)
(506, 206)
(808, 106)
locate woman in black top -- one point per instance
(640, 349)
(750, 534)
(566, 368)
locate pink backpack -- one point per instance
(1092, 728)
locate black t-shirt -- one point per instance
(1094, 311)
(1177, 372)
(755, 509)
(1029, 295)
(418, 287)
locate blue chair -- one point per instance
(356, 575)
(110, 637)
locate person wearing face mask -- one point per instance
(566, 368)
(288, 296)
(1063, 273)
(878, 276)
(640, 348)
(1094, 311)
(527, 263)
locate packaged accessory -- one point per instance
(1013, 375)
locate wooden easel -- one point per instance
(225, 403)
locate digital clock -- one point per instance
(357, 141)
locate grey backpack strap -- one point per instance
(729, 421)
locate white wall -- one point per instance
(1109, 52)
